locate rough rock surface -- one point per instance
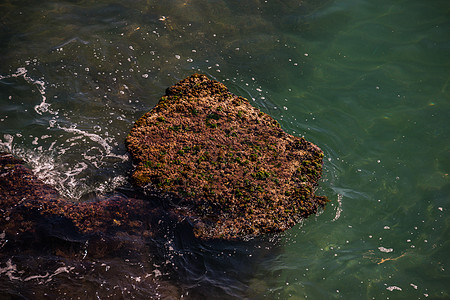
(222, 163)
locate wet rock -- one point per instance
(25, 201)
(223, 164)
(43, 235)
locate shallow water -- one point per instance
(367, 81)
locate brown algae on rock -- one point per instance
(222, 163)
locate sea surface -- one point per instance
(365, 80)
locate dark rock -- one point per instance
(25, 200)
(225, 165)
(40, 232)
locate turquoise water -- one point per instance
(367, 81)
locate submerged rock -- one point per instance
(223, 164)
(26, 202)
(43, 235)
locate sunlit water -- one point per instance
(367, 81)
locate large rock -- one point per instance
(223, 164)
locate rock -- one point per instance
(40, 232)
(223, 164)
(26, 201)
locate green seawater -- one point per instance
(367, 81)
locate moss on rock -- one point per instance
(223, 163)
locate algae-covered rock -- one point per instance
(222, 163)
(27, 203)
(40, 232)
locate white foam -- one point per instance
(6, 143)
(49, 276)
(393, 288)
(111, 183)
(47, 160)
(67, 177)
(92, 136)
(103, 142)
(385, 250)
(39, 84)
(10, 270)
(339, 208)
